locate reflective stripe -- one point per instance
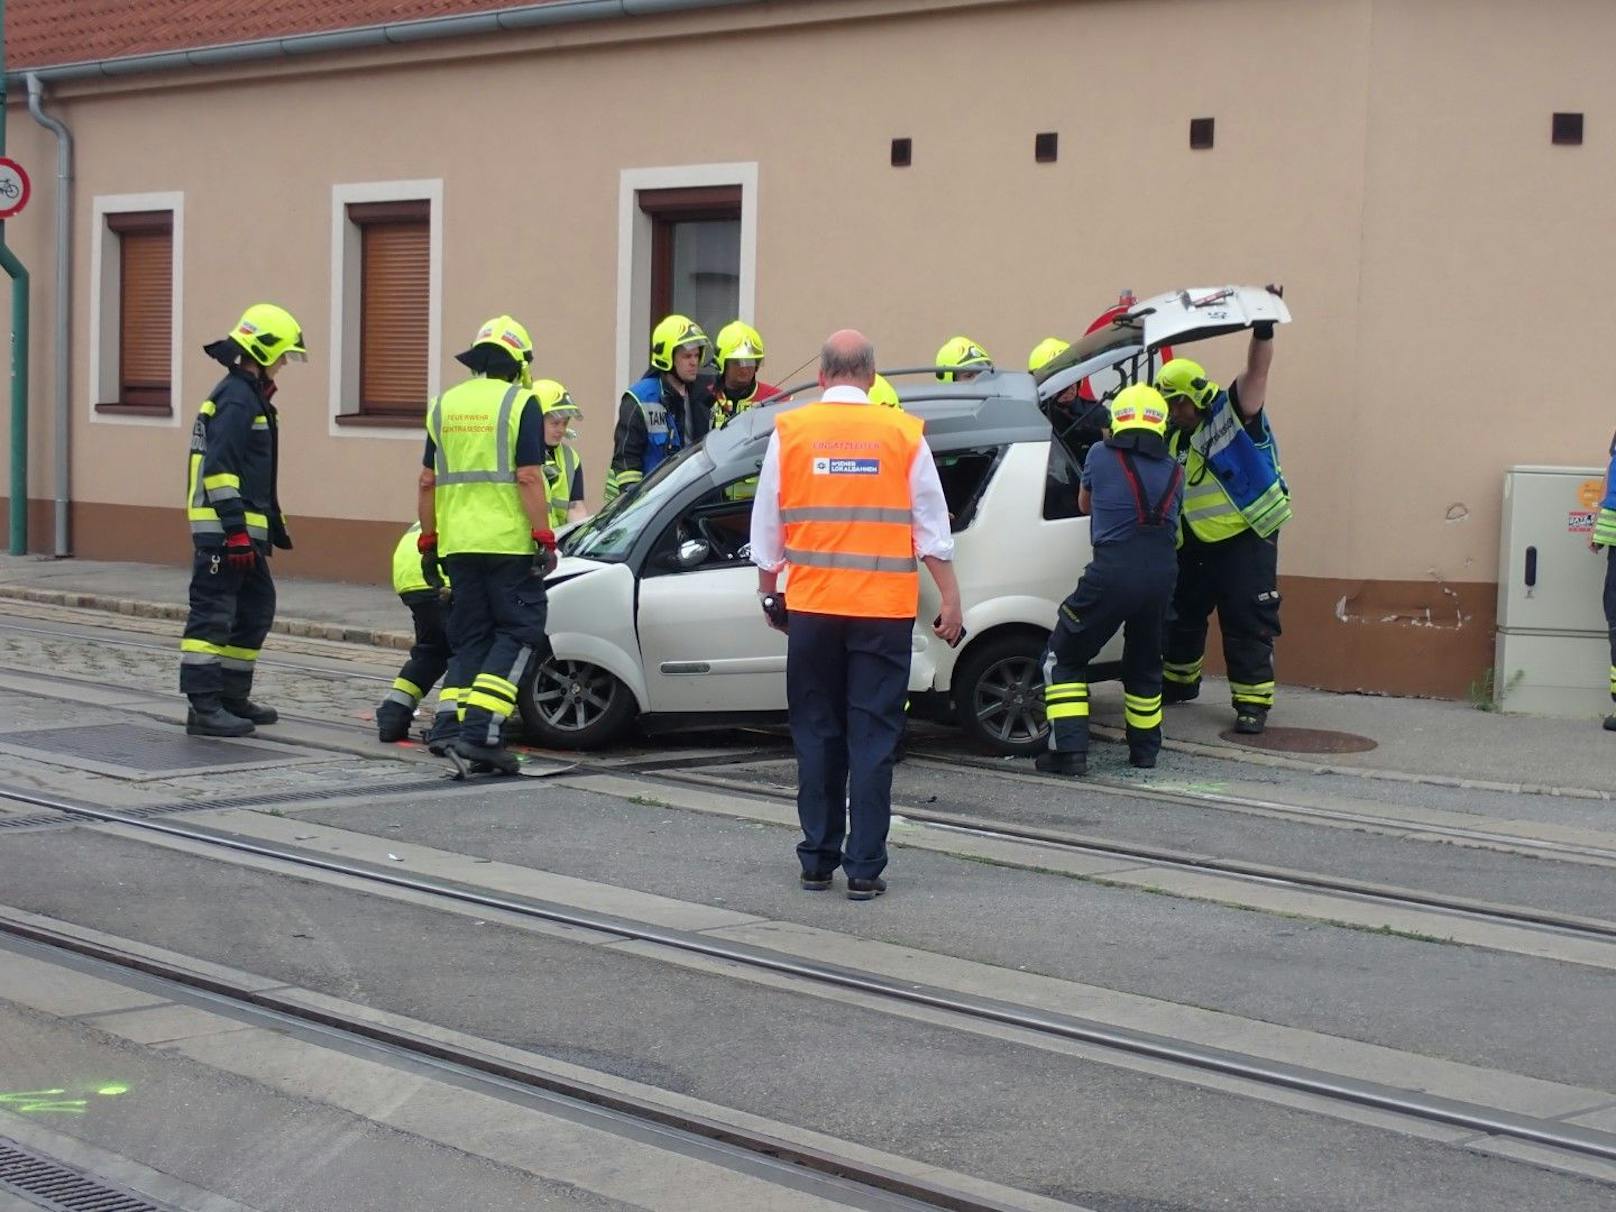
(1066, 711)
(224, 479)
(1605, 528)
(239, 654)
(500, 709)
(404, 700)
(858, 563)
(223, 494)
(1134, 719)
(237, 664)
(1260, 693)
(199, 658)
(839, 513)
(200, 646)
(1186, 674)
(476, 477)
(408, 687)
(1205, 505)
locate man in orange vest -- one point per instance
(848, 497)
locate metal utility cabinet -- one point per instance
(1553, 648)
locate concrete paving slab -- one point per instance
(166, 1024)
(1604, 1119)
(1542, 1155)
(43, 986)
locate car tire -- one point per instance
(575, 705)
(998, 691)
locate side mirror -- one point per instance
(693, 553)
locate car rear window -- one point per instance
(965, 473)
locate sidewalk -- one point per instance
(1422, 740)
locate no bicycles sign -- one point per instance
(14, 187)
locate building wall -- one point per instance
(1388, 160)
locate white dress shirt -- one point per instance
(929, 520)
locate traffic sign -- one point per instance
(14, 187)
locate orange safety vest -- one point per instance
(846, 510)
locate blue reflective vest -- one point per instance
(663, 438)
(1246, 470)
(1605, 523)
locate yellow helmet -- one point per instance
(1182, 377)
(1139, 407)
(1045, 352)
(509, 338)
(555, 398)
(957, 354)
(738, 340)
(673, 332)
(882, 392)
(265, 332)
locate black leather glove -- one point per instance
(427, 545)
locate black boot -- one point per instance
(1177, 692)
(249, 710)
(208, 718)
(1249, 720)
(1610, 723)
(1142, 761)
(1054, 761)
(501, 760)
(393, 722)
(445, 731)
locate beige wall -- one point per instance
(1388, 160)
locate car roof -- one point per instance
(997, 408)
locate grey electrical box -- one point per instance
(1553, 648)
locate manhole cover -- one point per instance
(1303, 740)
(139, 751)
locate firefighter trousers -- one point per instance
(1610, 613)
(231, 613)
(429, 655)
(1237, 577)
(1129, 585)
(496, 628)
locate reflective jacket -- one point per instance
(473, 427)
(649, 431)
(1605, 523)
(1232, 481)
(231, 471)
(560, 463)
(847, 511)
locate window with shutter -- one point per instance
(145, 327)
(394, 301)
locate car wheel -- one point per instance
(998, 690)
(575, 705)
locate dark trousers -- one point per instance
(1610, 613)
(846, 680)
(1129, 585)
(496, 622)
(231, 613)
(429, 655)
(1237, 577)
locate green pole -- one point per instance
(19, 347)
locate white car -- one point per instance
(653, 608)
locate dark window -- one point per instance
(902, 152)
(695, 254)
(395, 297)
(1200, 133)
(1567, 129)
(1046, 147)
(720, 521)
(965, 474)
(145, 310)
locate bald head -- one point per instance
(847, 359)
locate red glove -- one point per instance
(544, 559)
(239, 551)
(427, 545)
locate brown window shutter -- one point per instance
(395, 296)
(146, 313)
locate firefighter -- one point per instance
(961, 359)
(1077, 423)
(1235, 501)
(485, 515)
(563, 469)
(885, 394)
(738, 354)
(1132, 488)
(236, 521)
(1605, 537)
(657, 418)
(429, 655)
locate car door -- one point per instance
(703, 641)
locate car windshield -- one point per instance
(610, 534)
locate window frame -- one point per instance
(346, 417)
(367, 216)
(106, 402)
(667, 208)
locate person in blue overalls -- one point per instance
(1132, 489)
